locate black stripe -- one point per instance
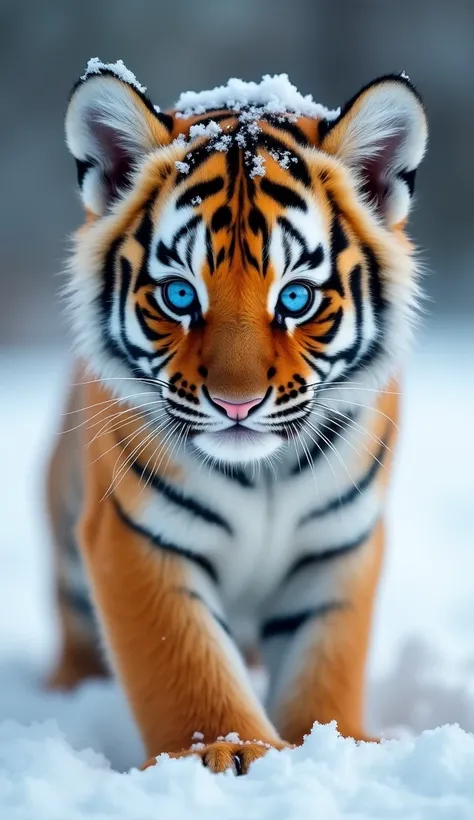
(105, 302)
(311, 259)
(380, 308)
(210, 252)
(133, 351)
(249, 257)
(234, 474)
(196, 597)
(143, 235)
(356, 292)
(83, 167)
(221, 218)
(286, 251)
(290, 127)
(177, 497)
(190, 411)
(232, 160)
(309, 361)
(332, 429)
(353, 492)
(289, 624)
(165, 119)
(217, 115)
(203, 190)
(339, 243)
(379, 303)
(166, 546)
(327, 338)
(298, 170)
(292, 231)
(185, 230)
(79, 601)
(312, 559)
(283, 195)
(166, 256)
(289, 410)
(220, 257)
(142, 314)
(409, 178)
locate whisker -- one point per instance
(140, 379)
(365, 407)
(352, 386)
(309, 459)
(351, 422)
(131, 436)
(167, 437)
(335, 451)
(296, 449)
(121, 413)
(327, 442)
(119, 401)
(343, 438)
(156, 420)
(119, 474)
(176, 445)
(154, 456)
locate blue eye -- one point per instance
(295, 299)
(179, 295)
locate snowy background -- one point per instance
(422, 660)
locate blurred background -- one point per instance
(329, 48)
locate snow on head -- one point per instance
(251, 102)
(95, 66)
(274, 94)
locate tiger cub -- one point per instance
(242, 295)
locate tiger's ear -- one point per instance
(381, 134)
(110, 125)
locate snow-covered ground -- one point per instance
(66, 757)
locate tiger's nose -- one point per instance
(237, 411)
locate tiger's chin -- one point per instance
(238, 445)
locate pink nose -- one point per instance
(237, 411)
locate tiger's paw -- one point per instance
(224, 754)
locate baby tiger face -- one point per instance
(236, 265)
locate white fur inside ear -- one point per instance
(108, 125)
(387, 113)
(383, 138)
(113, 104)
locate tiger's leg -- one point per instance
(317, 649)
(169, 644)
(80, 656)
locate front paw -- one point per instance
(223, 754)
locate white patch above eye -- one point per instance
(286, 249)
(191, 247)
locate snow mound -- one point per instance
(328, 777)
(273, 94)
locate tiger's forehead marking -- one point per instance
(250, 203)
(246, 237)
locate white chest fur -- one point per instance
(254, 528)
